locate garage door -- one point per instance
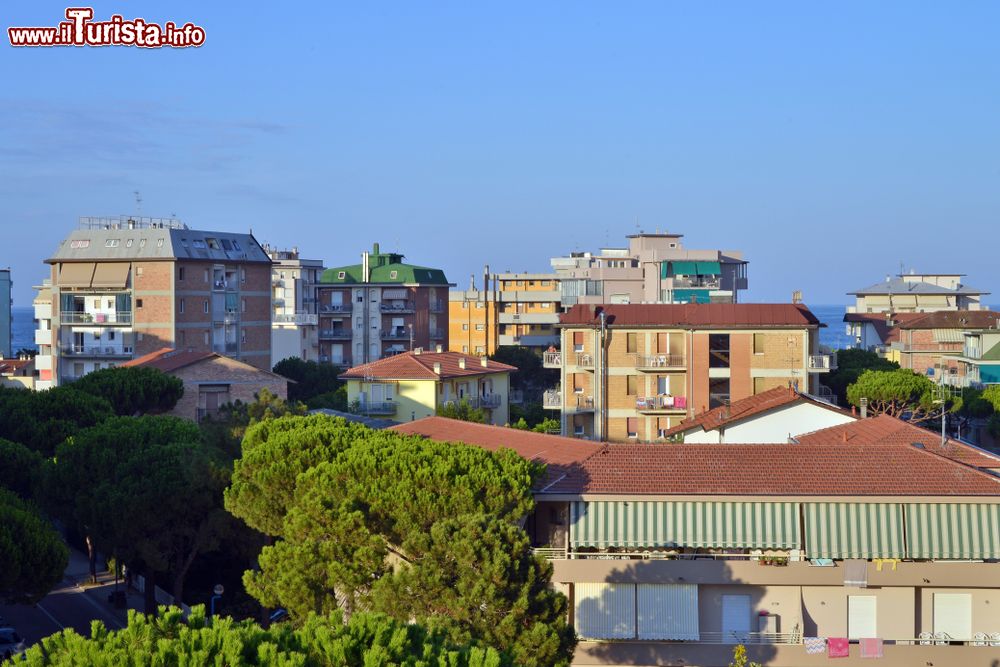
(735, 618)
(861, 616)
(953, 614)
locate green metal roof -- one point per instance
(993, 354)
(384, 268)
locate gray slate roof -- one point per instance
(157, 243)
(899, 286)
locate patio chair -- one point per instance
(980, 639)
(995, 639)
(925, 638)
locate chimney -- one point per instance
(418, 350)
(844, 435)
(484, 361)
(864, 408)
(439, 348)
(461, 363)
(437, 367)
(365, 267)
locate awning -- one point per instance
(948, 336)
(691, 296)
(953, 530)
(684, 268)
(709, 268)
(111, 275)
(76, 274)
(394, 294)
(750, 525)
(854, 530)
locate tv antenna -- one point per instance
(138, 202)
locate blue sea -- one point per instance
(834, 335)
(22, 334)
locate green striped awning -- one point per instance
(683, 268)
(854, 530)
(709, 268)
(750, 525)
(953, 530)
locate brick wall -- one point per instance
(243, 383)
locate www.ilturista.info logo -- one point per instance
(81, 30)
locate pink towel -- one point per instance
(871, 648)
(838, 647)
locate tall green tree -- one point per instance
(145, 490)
(32, 554)
(897, 393)
(310, 378)
(40, 420)
(168, 639)
(133, 390)
(20, 469)
(850, 365)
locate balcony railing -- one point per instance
(489, 401)
(377, 408)
(584, 360)
(660, 403)
(396, 307)
(552, 400)
(822, 362)
(336, 308)
(659, 361)
(226, 348)
(582, 403)
(296, 318)
(552, 359)
(343, 362)
(395, 334)
(335, 334)
(79, 317)
(95, 351)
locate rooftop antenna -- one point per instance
(138, 203)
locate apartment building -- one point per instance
(413, 385)
(6, 321)
(379, 308)
(864, 540)
(932, 343)
(513, 309)
(124, 287)
(653, 268)
(295, 316)
(631, 372)
(979, 362)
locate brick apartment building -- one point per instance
(631, 372)
(120, 288)
(379, 308)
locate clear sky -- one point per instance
(827, 141)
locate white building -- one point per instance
(295, 320)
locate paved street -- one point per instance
(70, 605)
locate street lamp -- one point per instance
(218, 590)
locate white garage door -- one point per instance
(605, 611)
(861, 616)
(735, 618)
(668, 611)
(953, 614)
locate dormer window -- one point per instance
(112, 243)
(393, 275)
(198, 243)
(341, 275)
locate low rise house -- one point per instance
(17, 372)
(980, 359)
(866, 539)
(932, 344)
(211, 380)
(775, 415)
(413, 385)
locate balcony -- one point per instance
(552, 400)
(488, 402)
(659, 362)
(584, 360)
(278, 282)
(552, 360)
(296, 318)
(396, 307)
(335, 334)
(43, 336)
(438, 307)
(80, 317)
(822, 363)
(377, 408)
(95, 351)
(396, 334)
(580, 403)
(226, 348)
(336, 308)
(343, 362)
(661, 404)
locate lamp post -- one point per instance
(218, 590)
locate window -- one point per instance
(128, 243)
(180, 273)
(758, 343)
(341, 275)
(80, 244)
(479, 304)
(243, 305)
(112, 243)
(226, 245)
(759, 385)
(393, 275)
(243, 335)
(465, 349)
(212, 243)
(480, 327)
(631, 342)
(632, 385)
(465, 327)
(159, 243)
(662, 426)
(138, 271)
(205, 305)
(180, 307)
(243, 275)
(138, 303)
(578, 341)
(632, 427)
(198, 243)
(578, 428)
(206, 276)
(142, 243)
(206, 338)
(479, 349)
(97, 303)
(718, 392)
(465, 305)
(236, 245)
(718, 351)
(577, 383)
(111, 334)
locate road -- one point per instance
(69, 605)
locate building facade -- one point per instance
(632, 372)
(917, 293)
(6, 321)
(295, 318)
(413, 385)
(864, 540)
(120, 288)
(379, 308)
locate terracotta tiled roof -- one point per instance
(953, 319)
(9, 366)
(559, 453)
(772, 399)
(691, 315)
(168, 359)
(887, 327)
(414, 366)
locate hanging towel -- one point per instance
(815, 644)
(871, 648)
(838, 647)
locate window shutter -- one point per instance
(662, 343)
(577, 338)
(632, 425)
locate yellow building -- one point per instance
(413, 385)
(518, 309)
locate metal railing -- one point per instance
(584, 360)
(398, 307)
(659, 360)
(550, 553)
(335, 333)
(377, 408)
(397, 334)
(336, 308)
(487, 401)
(584, 403)
(552, 359)
(661, 403)
(822, 362)
(552, 399)
(95, 351)
(296, 318)
(79, 317)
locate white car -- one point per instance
(11, 643)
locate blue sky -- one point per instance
(828, 141)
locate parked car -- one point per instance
(11, 643)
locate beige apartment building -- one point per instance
(864, 540)
(124, 287)
(632, 372)
(295, 318)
